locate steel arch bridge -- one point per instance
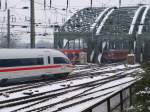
(97, 28)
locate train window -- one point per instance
(49, 60)
(21, 62)
(32, 61)
(61, 60)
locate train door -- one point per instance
(48, 59)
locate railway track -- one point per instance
(79, 74)
(49, 96)
(97, 82)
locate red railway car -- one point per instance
(72, 54)
(115, 55)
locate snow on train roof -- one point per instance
(17, 53)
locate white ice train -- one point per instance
(16, 64)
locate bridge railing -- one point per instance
(117, 102)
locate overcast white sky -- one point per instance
(60, 4)
(80, 3)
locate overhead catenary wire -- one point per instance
(17, 19)
(25, 16)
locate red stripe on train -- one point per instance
(29, 68)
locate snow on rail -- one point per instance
(143, 20)
(135, 19)
(74, 95)
(98, 19)
(85, 105)
(103, 21)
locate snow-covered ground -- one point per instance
(94, 88)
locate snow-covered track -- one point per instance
(60, 95)
(79, 74)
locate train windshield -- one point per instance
(61, 60)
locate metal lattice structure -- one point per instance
(97, 28)
(82, 20)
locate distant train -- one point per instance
(16, 64)
(114, 55)
(108, 56)
(72, 54)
